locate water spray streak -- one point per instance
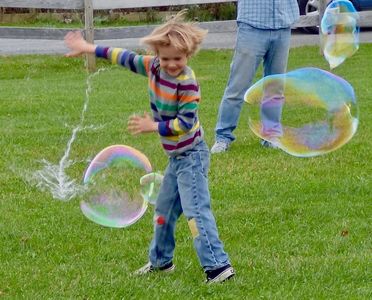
(53, 178)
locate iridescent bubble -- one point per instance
(339, 32)
(150, 186)
(306, 112)
(114, 195)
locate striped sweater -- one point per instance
(174, 100)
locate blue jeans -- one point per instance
(185, 190)
(253, 45)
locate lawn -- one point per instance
(295, 228)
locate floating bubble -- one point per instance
(150, 186)
(339, 32)
(114, 195)
(306, 112)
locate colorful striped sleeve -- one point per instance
(135, 62)
(187, 118)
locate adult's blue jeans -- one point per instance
(185, 190)
(253, 46)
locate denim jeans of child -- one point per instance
(185, 190)
(253, 45)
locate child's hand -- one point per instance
(77, 44)
(141, 124)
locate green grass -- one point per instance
(294, 228)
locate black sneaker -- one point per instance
(220, 274)
(149, 268)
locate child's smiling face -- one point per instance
(172, 60)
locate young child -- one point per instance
(174, 100)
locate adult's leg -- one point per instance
(251, 45)
(276, 58)
(275, 62)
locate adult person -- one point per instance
(264, 32)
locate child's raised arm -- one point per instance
(77, 44)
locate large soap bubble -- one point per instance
(306, 112)
(339, 32)
(115, 196)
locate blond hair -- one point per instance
(184, 36)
